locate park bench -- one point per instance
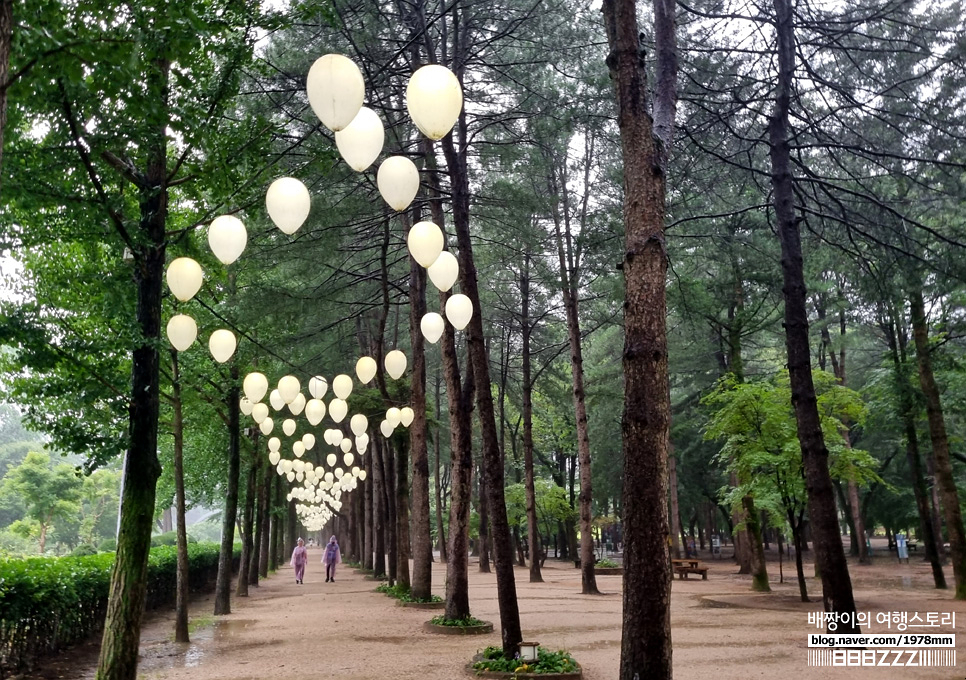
(913, 546)
(689, 566)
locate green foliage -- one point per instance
(48, 493)
(83, 550)
(551, 504)
(465, 622)
(547, 662)
(606, 564)
(402, 593)
(47, 603)
(107, 545)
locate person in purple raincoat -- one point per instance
(300, 556)
(331, 556)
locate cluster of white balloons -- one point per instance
(227, 238)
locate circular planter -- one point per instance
(422, 605)
(483, 629)
(576, 674)
(609, 571)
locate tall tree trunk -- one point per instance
(945, 479)
(676, 529)
(122, 625)
(533, 531)
(392, 535)
(422, 541)
(402, 514)
(223, 581)
(177, 430)
(480, 367)
(275, 538)
(483, 541)
(369, 543)
(645, 141)
(440, 533)
(759, 570)
(264, 513)
(378, 511)
(796, 525)
(256, 528)
(829, 552)
(248, 522)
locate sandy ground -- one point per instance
(720, 630)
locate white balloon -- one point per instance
(425, 242)
(288, 427)
(339, 472)
(314, 411)
(386, 428)
(338, 410)
(245, 406)
(336, 90)
(318, 387)
(288, 388)
(288, 204)
(366, 369)
(255, 386)
(298, 448)
(259, 413)
(358, 424)
(395, 364)
(362, 442)
(274, 444)
(444, 271)
(434, 99)
(345, 445)
(347, 458)
(393, 417)
(406, 416)
(398, 182)
(184, 278)
(308, 440)
(274, 457)
(363, 474)
(266, 426)
(227, 238)
(275, 399)
(290, 476)
(330, 460)
(280, 469)
(342, 386)
(182, 331)
(222, 345)
(459, 311)
(432, 327)
(297, 404)
(360, 142)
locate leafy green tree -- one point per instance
(48, 492)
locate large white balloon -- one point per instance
(222, 345)
(393, 416)
(184, 278)
(346, 445)
(330, 461)
(434, 99)
(227, 238)
(274, 457)
(363, 474)
(395, 364)
(336, 90)
(432, 326)
(360, 142)
(245, 406)
(275, 399)
(255, 386)
(288, 427)
(366, 369)
(318, 386)
(308, 440)
(347, 458)
(342, 386)
(386, 428)
(425, 241)
(459, 311)
(259, 412)
(288, 204)
(182, 331)
(406, 416)
(298, 448)
(398, 182)
(288, 388)
(266, 426)
(314, 411)
(444, 271)
(338, 410)
(274, 444)
(358, 424)
(297, 404)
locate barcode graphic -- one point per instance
(882, 657)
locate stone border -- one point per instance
(422, 605)
(577, 674)
(609, 571)
(431, 627)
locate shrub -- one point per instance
(547, 662)
(83, 550)
(466, 621)
(47, 603)
(107, 545)
(606, 564)
(167, 538)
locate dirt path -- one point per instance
(344, 630)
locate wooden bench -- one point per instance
(682, 570)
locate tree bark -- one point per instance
(275, 537)
(122, 625)
(223, 581)
(369, 541)
(676, 529)
(533, 531)
(645, 140)
(483, 539)
(402, 514)
(248, 522)
(440, 533)
(6, 40)
(378, 511)
(264, 512)
(177, 430)
(945, 479)
(829, 552)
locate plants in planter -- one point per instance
(403, 594)
(492, 660)
(465, 622)
(606, 564)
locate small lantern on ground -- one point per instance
(528, 651)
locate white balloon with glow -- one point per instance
(314, 411)
(393, 416)
(398, 182)
(222, 345)
(227, 238)
(342, 386)
(255, 386)
(330, 460)
(358, 424)
(184, 278)
(360, 142)
(338, 410)
(275, 399)
(288, 427)
(345, 445)
(298, 448)
(336, 90)
(406, 416)
(297, 404)
(245, 406)
(288, 204)
(444, 271)
(318, 387)
(182, 331)
(425, 242)
(347, 458)
(434, 99)
(259, 413)
(274, 457)
(266, 426)
(459, 311)
(274, 444)
(432, 327)
(308, 440)
(386, 428)
(288, 388)
(395, 364)
(366, 369)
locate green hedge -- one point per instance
(47, 603)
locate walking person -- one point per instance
(331, 557)
(300, 556)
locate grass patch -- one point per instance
(607, 564)
(465, 622)
(202, 621)
(547, 662)
(401, 593)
